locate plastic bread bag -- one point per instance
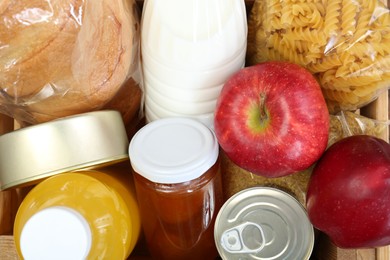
(342, 124)
(344, 43)
(59, 58)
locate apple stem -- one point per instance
(263, 112)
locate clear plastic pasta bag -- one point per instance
(59, 58)
(342, 124)
(344, 43)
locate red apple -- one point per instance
(271, 119)
(348, 197)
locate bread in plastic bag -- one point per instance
(342, 124)
(59, 58)
(344, 43)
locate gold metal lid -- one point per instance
(86, 140)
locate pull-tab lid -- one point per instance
(56, 233)
(247, 238)
(173, 150)
(263, 223)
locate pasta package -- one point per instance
(64, 57)
(344, 43)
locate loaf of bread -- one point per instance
(63, 57)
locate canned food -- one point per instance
(87, 140)
(263, 223)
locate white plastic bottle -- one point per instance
(189, 49)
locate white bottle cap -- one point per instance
(56, 233)
(173, 150)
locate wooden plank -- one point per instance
(7, 248)
(6, 124)
(7, 198)
(379, 109)
(366, 254)
(383, 253)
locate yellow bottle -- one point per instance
(89, 214)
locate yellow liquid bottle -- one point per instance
(90, 214)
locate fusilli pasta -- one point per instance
(344, 43)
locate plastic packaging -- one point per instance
(59, 58)
(79, 215)
(346, 123)
(178, 183)
(188, 52)
(236, 179)
(345, 44)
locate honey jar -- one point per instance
(179, 189)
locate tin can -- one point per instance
(89, 140)
(263, 223)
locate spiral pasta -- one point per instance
(344, 43)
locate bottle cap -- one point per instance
(173, 150)
(76, 142)
(56, 233)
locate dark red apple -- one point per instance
(348, 197)
(271, 119)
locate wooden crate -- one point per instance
(324, 249)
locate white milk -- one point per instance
(180, 92)
(153, 112)
(189, 49)
(190, 108)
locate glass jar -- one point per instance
(88, 214)
(179, 187)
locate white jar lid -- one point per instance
(56, 233)
(173, 150)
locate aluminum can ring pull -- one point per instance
(234, 241)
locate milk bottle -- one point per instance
(189, 49)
